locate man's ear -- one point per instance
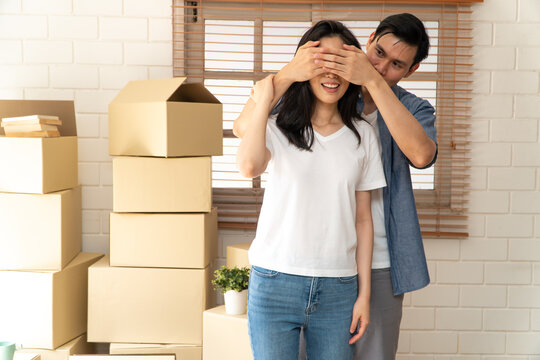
(412, 70)
(370, 39)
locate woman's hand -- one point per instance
(360, 317)
(263, 91)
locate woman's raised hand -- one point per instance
(263, 91)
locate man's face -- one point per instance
(391, 57)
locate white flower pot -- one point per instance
(236, 302)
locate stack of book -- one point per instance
(32, 126)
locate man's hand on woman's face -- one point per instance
(302, 67)
(350, 63)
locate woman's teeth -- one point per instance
(330, 86)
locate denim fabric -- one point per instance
(407, 258)
(280, 304)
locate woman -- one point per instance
(311, 257)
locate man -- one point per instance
(406, 128)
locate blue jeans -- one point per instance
(280, 304)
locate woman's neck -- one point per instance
(325, 114)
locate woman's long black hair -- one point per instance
(297, 104)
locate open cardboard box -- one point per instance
(165, 118)
(39, 165)
(40, 231)
(46, 309)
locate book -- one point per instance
(31, 119)
(34, 134)
(29, 127)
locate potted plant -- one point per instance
(233, 283)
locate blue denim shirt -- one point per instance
(407, 258)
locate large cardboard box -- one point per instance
(163, 240)
(45, 309)
(39, 232)
(225, 336)
(39, 165)
(145, 184)
(182, 352)
(165, 117)
(79, 345)
(237, 255)
(147, 305)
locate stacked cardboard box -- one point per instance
(43, 274)
(226, 336)
(155, 285)
(237, 255)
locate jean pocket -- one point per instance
(348, 279)
(262, 272)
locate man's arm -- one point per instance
(353, 65)
(301, 68)
(407, 132)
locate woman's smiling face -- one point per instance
(327, 87)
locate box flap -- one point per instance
(194, 92)
(148, 90)
(65, 110)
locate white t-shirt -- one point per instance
(307, 221)
(381, 256)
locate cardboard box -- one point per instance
(39, 165)
(26, 356)
(147, 305)
(237, 255)
(45, 309)
(165, 118)
(162, 185)
(79, 345)
(225, 336)
(122, 357)
(182, 352)
(163, 240)
(39, 232)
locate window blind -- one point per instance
(229, 45)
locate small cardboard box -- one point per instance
(46, 309)
(237, 255)
(163, 240)
(122, 357)
(165, 118)
(145, 184)
(39, 232)
(147, 305)
(225, 336)
(39, 165)
(182, 352)
(79, 345)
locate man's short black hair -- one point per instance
(409, 29)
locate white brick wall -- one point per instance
(484, 301)
(84, 50)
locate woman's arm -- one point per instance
(364, 252)
(253, 156)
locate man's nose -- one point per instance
(382, 67)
